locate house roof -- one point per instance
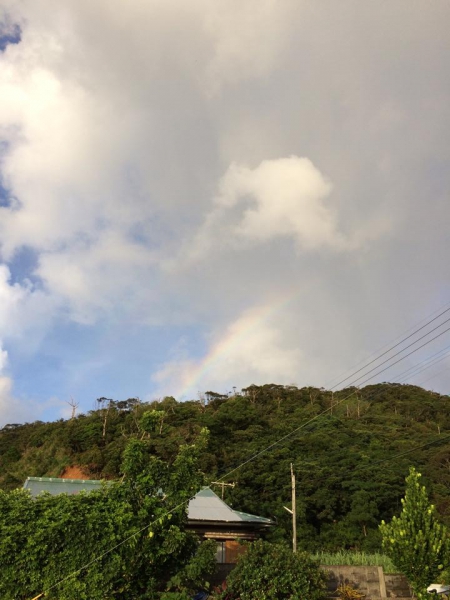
(206, 506)
(55, 485)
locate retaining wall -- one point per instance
(370, 581)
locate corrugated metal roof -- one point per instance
(55, 485)
(205, 506)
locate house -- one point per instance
(208, 516)
(211, 518)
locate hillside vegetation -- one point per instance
(350, 462)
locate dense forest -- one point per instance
(351, 451)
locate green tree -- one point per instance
(417, 543)
(125, 541)
(273, 572)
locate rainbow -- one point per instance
(232, 339)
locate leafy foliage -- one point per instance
(273, 572)
(346, 478)
(131, 542)
(416, 541)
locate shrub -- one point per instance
(273, 572)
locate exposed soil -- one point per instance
(74, 472)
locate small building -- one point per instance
(211, 518)
(208, 516)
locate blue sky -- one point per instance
(233, 194)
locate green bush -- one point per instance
(273, 572)
(120, 542)
(415, 540)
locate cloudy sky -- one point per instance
(198, 195)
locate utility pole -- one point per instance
(293, 512)
(224, 485)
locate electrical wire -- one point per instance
(395, 346)
(425, 368)
(403, 357)
(303, 425)
(400, 351)
(378, 462)
(420, 366)
(435, 375)
(97, 558)
(276, 443)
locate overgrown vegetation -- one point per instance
(357, 559)
(272, 571)
(123, 542)
(346, 478)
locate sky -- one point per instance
(201, 195)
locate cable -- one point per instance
(424, 368)
(399, 337)
(403, 357)
(435, 375)
(276, 443)
(87, 565)
(417, 366)
(378, 462)
(396, 345)
(303, 425)
(400, 351)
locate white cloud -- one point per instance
(9, 406)
(147, 135)
(280, 198)
(26, 311)
(93, 279)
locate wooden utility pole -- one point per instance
(293, 512)
(224, 485)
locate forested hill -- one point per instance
(350, 462)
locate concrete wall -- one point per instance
(370, 581)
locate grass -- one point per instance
(357, 559)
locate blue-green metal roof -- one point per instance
(55, 485)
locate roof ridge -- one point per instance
(61, 480)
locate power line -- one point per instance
(435, 375)
(403, 357)
(400, 351)
(396, 345)
(276, 443)
(303, 425)
(425, 367)
(97, 558)
(419, 365)
(379, 462)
